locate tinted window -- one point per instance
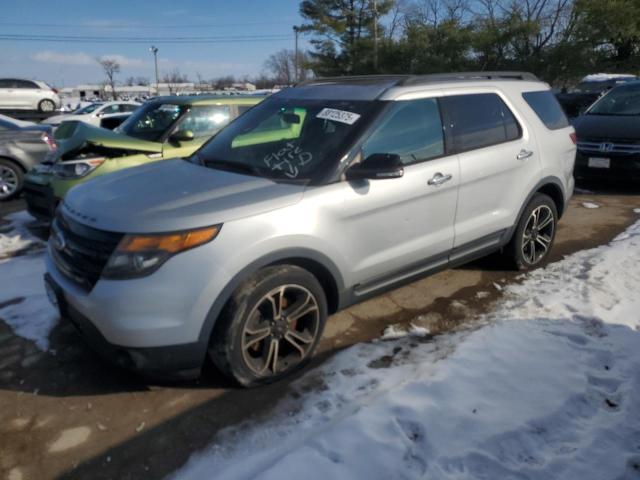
(243, 108)
(110, 109)
(128, 107)
(479, 120)
(25, 84)
(547, 108)
(411, 129)
(6, 83)
(152, 121)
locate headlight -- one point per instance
(76, 168)
(141, 255)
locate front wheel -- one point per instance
(535, 233)
(270, 326)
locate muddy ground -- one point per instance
(67, 414)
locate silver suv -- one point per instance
(319, 197)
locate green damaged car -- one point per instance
(163, 128)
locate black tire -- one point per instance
(11, 179)
(530, 235)
(46, 106)
(247, 317)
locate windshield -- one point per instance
(287, 139)
(87, 109)
(151, 122)
(623, 100)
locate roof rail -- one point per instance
(447, 77)
(354, 79)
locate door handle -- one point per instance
(439, 179)
(524, 154)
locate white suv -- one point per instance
(317, 198)
(28, 95)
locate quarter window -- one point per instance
(479, 120)
(547, 108)
(411, 129)
(25, 84)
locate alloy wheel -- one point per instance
(8, 181)
(281, 330)
(538, 234)
(47, 106)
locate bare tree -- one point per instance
(110, 67)
(173, 78)
(282, 66)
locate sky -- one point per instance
(244, 34)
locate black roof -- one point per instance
(370, 87)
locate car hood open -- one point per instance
(174, 195)
(75, 135)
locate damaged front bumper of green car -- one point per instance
(38, 193)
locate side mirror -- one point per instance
(378, 166)
(182, 136)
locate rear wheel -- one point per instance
(271, 325)
(535, 233)
(11, 178)
(46, 106)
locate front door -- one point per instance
(395, 228)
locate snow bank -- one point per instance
(590, 205)
(25, 307)
(548, 388)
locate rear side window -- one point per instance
(479, 120)
(25, 84)
(546, 106)
(412, 129)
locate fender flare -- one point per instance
(279, 256)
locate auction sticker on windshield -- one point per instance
(341, 116)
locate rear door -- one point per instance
(395, 228)
(499, 165)
(27, 94)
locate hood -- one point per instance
(607, 127)
(75, 135)
(173, 195)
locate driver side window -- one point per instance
(411, 129)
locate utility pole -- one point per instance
(375, 36)
(154, 50)
(296, 32)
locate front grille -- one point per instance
(602, 145)
(40, 200)
(81, 252)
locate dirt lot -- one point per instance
(66, 414)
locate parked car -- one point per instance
(321, 196)
(94, 113)
(16, 93)
(164, 128)
(589, 90)
(609, 136)
(113, 121)
(22, 146)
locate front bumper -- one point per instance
(41, 201)
(621, 167)
(153, 324)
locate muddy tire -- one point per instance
(534, 235)
(270, 327)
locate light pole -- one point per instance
(296, 31)
(154, 50)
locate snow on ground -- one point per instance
(590, 205)
(636, 210)
(23, 301)
(548, 388)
